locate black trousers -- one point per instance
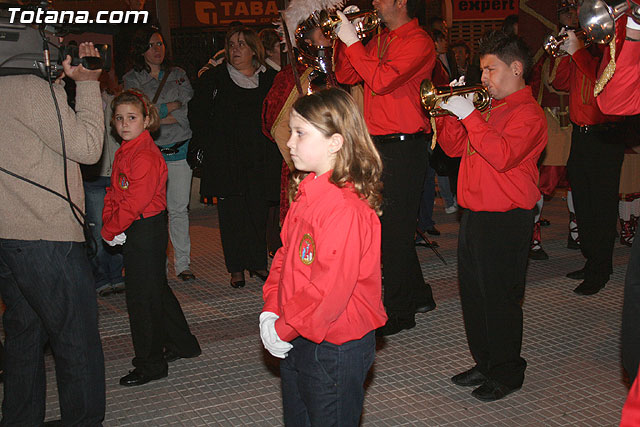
(593, 169)
(155, 315)
(493, 249)
(243, 231)
(631, 314)
(404, 167)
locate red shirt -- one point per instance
(621, 96)
(500, 148)
(392, 65)
(631, 408)
(577, 75)
(325, 282)
(138, 185)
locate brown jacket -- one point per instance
(30, 146)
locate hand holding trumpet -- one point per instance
(460, 105)
(346, 31)
(572, 44)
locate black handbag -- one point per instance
(195, 158)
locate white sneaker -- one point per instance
(451, 209)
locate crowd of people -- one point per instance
(330, 171)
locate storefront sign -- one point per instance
(483, 9)
(223, 12)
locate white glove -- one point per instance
(456, 82)
(118, 240)
(269, 336)
(461, 106)
(571, 45)
(632, 24)
(346, 30)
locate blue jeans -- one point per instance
(49, 294)
(445, 190)
(323, 384)
(107, 264)
(178, 193)
(425, 213)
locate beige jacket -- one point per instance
(30, 146)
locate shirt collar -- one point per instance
(516, 98)
(245, 82)
(138, 139)
(314, 187)
(405, 29)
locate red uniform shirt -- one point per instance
(392, 65)
(138, 185)
(621, 96)
(577, 75)
(325, 282)
(631, 408)
(500, 148)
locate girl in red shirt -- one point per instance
(135, 216)
(323, 294)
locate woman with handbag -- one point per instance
(241, 166)
(170, 91)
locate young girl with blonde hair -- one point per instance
(323, 294)
(135, 216)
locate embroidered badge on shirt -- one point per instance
(307, 249)
(123, 181)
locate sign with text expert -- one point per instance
(196, 13)
(484, 9)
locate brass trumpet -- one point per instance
(552, 44)
(367, 21)
(431, 96)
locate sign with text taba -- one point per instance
(484, 9)
(197, 13)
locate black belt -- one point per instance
(600, 127)
(174, 148)
(398, 137)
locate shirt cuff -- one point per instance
(285, 332)
(163, 111)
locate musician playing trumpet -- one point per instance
(594, 163)
(497, 185)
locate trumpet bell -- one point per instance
(598, 18)
(431, 96)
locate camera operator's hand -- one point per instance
(78, 72)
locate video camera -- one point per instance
(22, 45)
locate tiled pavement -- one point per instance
(571, 343)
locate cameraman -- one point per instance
(45, 275)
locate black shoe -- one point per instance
(172, 356)
(238, 284)
(589, 287)
(395, 324)
(134, 378)
(260, 275)
(538, 254)
(433, 231)
(472, 377)
(187, 276)
(576, 275)
(572, 244)
(426, 307)
(492, 390)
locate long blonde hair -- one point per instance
(334, 111)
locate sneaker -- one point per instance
(451, 209)
(118, 287)
(104, 290)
